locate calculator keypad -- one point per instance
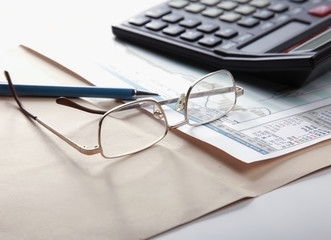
(225, 24)
(284, 40)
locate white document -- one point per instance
(264, 124)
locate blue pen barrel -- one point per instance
(68, 91)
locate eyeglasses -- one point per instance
(134, 126)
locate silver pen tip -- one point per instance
(140, 93)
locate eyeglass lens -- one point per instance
(127, 130)
(217, 98)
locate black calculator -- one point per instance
(287, 41)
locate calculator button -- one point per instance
(208, 28)
(230, 17)
(210, 2)
(139, 21)
(278, 7)
(210, 41)
(321, 10)
(178, 3)
(226, 33)
(267, 25)
(222, 49)
(172, 18)
(156, 25)
(263, 14)
(195, 7)
(189, 22)
(243, 38)
(245, 9)
(259, 3)
(191, 35)
(295, 11)
(299, 1)
(282, 18)
(242, 1)
(227, 5)
(248, 22)
(157, 12)
(212, 12)
(173, 30)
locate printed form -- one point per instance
(266, 122)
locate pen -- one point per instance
(74, 91)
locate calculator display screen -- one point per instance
(315, 42)
(267, 42)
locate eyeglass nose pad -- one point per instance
(157, 113)
(180, 102)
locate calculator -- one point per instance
(286, 41)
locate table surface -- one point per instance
(299, 210)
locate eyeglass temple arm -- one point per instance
(12, 89)
(238, 90)
(69, 103)
(79, 148)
